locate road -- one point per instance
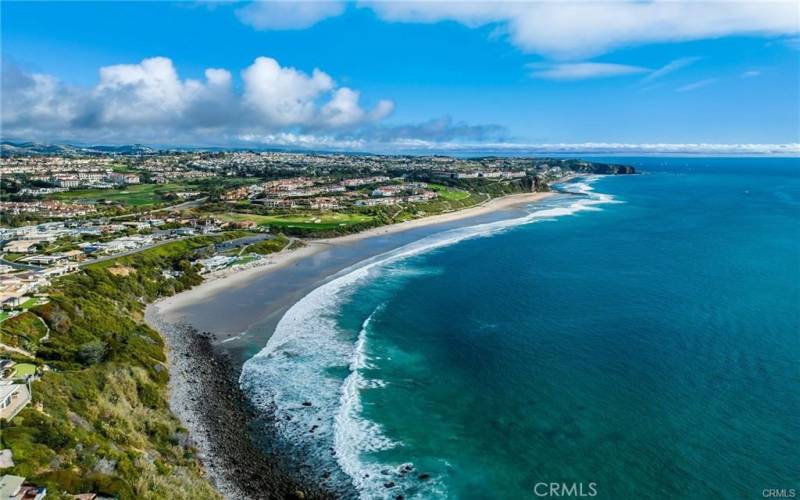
(130, 252)
(26, 267)
(220, 247)
(181, 206)
(171, 208)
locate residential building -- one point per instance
(15, 488)
(22, 246)
(275, 202)
(386, 191)
(372, 202)
(8, 369)
(323, 203)
(13, 398)
(239, 193)
(122, 178)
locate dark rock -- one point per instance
(389, 484)
(424, 476)
(234, 459)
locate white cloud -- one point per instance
(586, 70)
(303, 141)
(343, 109)
(751, 73)
(151, 92)
(696, 85)
(570, 30)
(35, 97)
(283, 96)
(602, 148)
(671, 67)
(383, 109)
(561, 30)
(150, 100)
(283, 15)
(426, 146)
(582, 71)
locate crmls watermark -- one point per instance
(778, 493)
(565, 489)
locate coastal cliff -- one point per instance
(583, 167)
(100, 420)
(103, 420)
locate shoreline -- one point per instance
(204, 393)
(221, 280)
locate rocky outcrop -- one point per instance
(586, 167)
(205, 395)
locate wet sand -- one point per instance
(212, 329)
(241, 308)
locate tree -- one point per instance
(92, 352)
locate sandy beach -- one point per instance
(208, 334)
(228, 279)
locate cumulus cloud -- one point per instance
(284, 96)
(149, 102)
(151, 92)
(149, 99)
(35, 97)
(343, 109)
(581, 71)
(282, 15)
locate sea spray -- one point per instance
(308, 374)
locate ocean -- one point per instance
(632, 337)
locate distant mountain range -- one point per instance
(35, 148)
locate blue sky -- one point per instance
(415, 74)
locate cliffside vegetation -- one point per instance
(99, 421)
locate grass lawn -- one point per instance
(269, 246)
(448, 193)
(245, 259)
(304, 221)
(23, 330)
(25, 369)
(119, 167)
(135, 195)
(3, 315)
(33, 301)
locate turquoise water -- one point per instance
(643, 336)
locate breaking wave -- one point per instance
(309, 374)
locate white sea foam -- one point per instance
(354, 435)
(301, 360)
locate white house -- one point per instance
(22, 246)
(13, 398)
